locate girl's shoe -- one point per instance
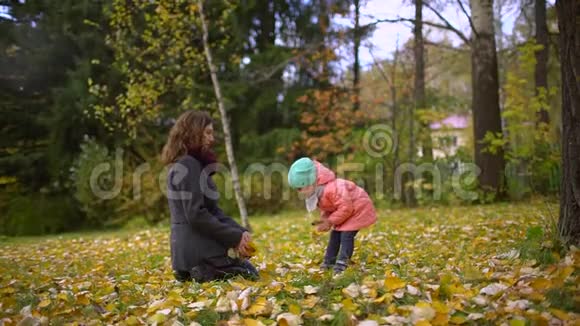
(339, 267)
(326, 266)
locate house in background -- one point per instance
(449, 134)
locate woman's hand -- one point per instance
(244, 246)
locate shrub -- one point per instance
(40, 214)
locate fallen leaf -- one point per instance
(559, 314)
(394, 283)
(353, 290)
(493, 289)
(288, 319)
(309, 289)
(252, 322)
(260, 307)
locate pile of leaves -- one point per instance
(428, 266)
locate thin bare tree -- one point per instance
(225, 121)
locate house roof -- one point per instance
(453, 122)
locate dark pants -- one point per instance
(220, 268)
(340, 247)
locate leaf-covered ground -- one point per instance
(430, 266)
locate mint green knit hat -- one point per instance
(302, 173)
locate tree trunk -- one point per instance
(541, 73)
(425, 132)
(225, 122)
(394, 108)
(485, 100)
(394, 115)
(569, 25)
(356, 65)
(324, 25)
(409, 178)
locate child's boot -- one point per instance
(326, 266)
(340, 266)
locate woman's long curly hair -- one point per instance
(186, 135)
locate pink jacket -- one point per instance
(344, 204)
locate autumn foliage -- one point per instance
(327, 121)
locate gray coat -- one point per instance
(199, 228)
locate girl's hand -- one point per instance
(323, 226)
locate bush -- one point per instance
(93, 156)
(111, 190)
(259, 200)
(40, 214)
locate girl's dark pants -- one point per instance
(340, 247)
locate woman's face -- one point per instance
(207, 139)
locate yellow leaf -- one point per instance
(110, 307)
(456, 289)
(252, 322)
(132, 321)
(44, 303)
(174, 298)
(9, 290)
(237, 285)
(517, 322)
(392, 309)
(540, 284)
(440, 319)
(559, 314)
(157, 318)
(82, 299)
(422, 322)
(252, 249)
(458, 320)
(565, 272)
(294, 309)
(156, 305)
(440, 307)
(384, 298)
(192, 314)
(539, 320)
(535, 296)
(310, 301)
(394, 283)
(349, 305)
(63, 296)
(260, 307)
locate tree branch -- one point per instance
(445, 46)
(448, 24)
(473, 30)
(379, 67)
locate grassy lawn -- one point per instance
(429, 266)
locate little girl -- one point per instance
(344, 207)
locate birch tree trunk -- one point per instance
(485, 100)
(225, 121)
(569, 25)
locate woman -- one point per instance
(201, 234)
